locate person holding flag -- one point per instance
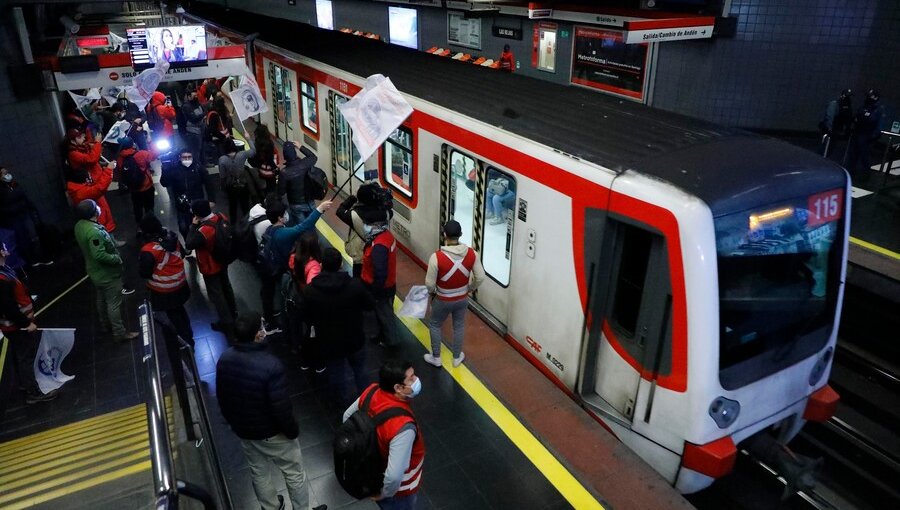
(17, 324)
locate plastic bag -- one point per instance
(416, 302)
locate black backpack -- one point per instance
(358, 464)
(266, 257)
(132, 175)
(245, 239)
(223, 249)
(315, 184)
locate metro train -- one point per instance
(682, 281)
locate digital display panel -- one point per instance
(404, 27)
(181, 46)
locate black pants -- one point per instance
(218, 287)
(182, 323)
(347, 389)
(142, 203)
(24, 347)
(267, 289)
(237, 196)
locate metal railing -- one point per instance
(166, 486)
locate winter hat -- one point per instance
(200, 208)
(367, 194)
(452, 229)
(290, 152)
(151, 225)
(86, 209)
(125, 142)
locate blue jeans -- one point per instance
(299, 212)
(398, 503)
(495, 202)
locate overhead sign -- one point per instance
(538, 11)
(123, 75)
(673, 29)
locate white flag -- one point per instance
(144, 85)
(118, 130)
(81, 102)
(247, 98)
(374, 113)
(55, 346)
(111, 94)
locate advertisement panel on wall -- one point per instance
(463, 31)
(324, 14)
(601, 60)
(404, 27)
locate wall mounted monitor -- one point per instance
(404, 27)
(181, 46)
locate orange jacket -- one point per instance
(166, 113)
(143, 159)
(94, 188)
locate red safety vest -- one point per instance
(382, 401)
(168, 271)
(387, 240)
(23, 299)
(453, 275)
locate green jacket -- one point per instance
(101, 257)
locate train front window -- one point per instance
(779, 270)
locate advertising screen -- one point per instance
(602, 60)
(324, 14)
(404, 27)
(181, 46)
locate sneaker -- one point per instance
(458, 361)
(127, 291)
(319, 370)
(304, 367)
(127, 337)
(34, 398)
(120, 244)
(496, 220)
(433, 360)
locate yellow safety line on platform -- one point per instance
(3, 344)
(552, 469)
(75, 487)
(57, 298)
(874, 247)
(71, 428)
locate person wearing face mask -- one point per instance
(104, 267)
(86, 178)
(399, 438)
(186, 180)
(18, 214)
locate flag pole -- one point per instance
(336, 193)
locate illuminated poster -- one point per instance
(603, 61)
(404, 27)
(324, 14)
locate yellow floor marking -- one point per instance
(75, 487)
(49, 470)
(3, 343)
(72, 442)
(125, 437)
(557, 474)
(77, 429)
(875, 248)
(57, 298)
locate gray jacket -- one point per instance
(231, 169)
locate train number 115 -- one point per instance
(825, 207)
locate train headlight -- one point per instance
(724, 411)
(819, 368)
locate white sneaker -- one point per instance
(431, 360)
(458, 361)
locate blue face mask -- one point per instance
(416, 388)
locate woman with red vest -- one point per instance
(379, 274)
(453, 272)
(86, 179)
(161, 263)
(17, 324)
(399, 438)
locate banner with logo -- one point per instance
(601, 60)
(247, 98)
(82, 102)
(374, 113)
(55, 346)
(144, 85)
(118, 130)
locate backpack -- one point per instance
(132, 175)
(245, 239)
(266, 257)
(315, 184)
(223, 249)
(358, 464)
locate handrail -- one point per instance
(164, 484)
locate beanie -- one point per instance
(86, 209)
(150, 224)
(290, 151)
(200, 208)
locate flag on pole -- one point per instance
(144, 85)
(374, 113)
(111, 94)
(55, 346)
(81, 102)
(118, 130)
(247, 98)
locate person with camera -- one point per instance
(356, 212)
(187, 180)
(160, 114)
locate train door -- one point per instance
(633, 307)
(481, 198)
(281, 85)
(345, 157)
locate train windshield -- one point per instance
(779, 271)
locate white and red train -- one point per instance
(681, 280)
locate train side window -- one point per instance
(398, 160)
(308, 104)
(499, 205)
(343, 145)
(635, 246)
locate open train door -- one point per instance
(486, 214)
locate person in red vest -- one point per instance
(160, 114)
(202, 238)
(17, 324)
(142, 194)
(453, 271)
(507, 60)
(86, 178)
(161, 263)
(379, 274)
(399, 438)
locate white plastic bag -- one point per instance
(416, 302)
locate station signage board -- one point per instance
(602, 60)
(672, 29)
(507, 33)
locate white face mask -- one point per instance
(187, 162)
(7, 178)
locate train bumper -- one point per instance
(821, 404)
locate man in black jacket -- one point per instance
(187, 180)
(292, 183)
(253, 395)
(334, 303)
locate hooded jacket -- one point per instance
(455, 252)
(159, 112)
(334, 302)
(101, 258)
(292, 183)
(84, 163)
(143, 159)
